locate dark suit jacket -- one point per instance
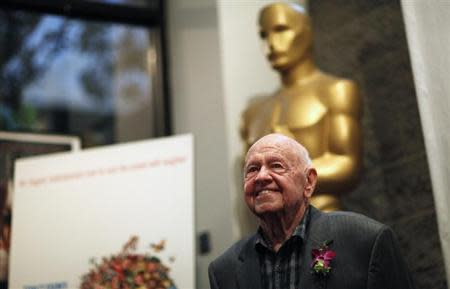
(367, 256)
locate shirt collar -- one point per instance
(299, 232)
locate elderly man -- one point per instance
(296, 245)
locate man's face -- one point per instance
(286, 35)
(274, 179)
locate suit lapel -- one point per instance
(249, 272)
(312, 241)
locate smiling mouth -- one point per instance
(264, 192)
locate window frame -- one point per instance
(149, 16)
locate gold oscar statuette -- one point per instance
(321, 111)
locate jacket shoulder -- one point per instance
(354, 219)
(222, 271)
(231, 255)
(346, 227)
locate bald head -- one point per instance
(284, 143)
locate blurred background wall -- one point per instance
(366, 41)
(428, 39)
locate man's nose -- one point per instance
(263, 176)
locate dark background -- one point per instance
(366, 41)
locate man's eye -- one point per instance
(251, 170)
(277, 166)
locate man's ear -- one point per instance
(311, 180)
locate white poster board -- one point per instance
(70, 208)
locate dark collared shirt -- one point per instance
(281, 270)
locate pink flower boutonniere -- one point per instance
(322, 257)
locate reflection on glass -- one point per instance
(95, 80)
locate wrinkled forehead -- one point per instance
(280, 14)
(283, 149)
